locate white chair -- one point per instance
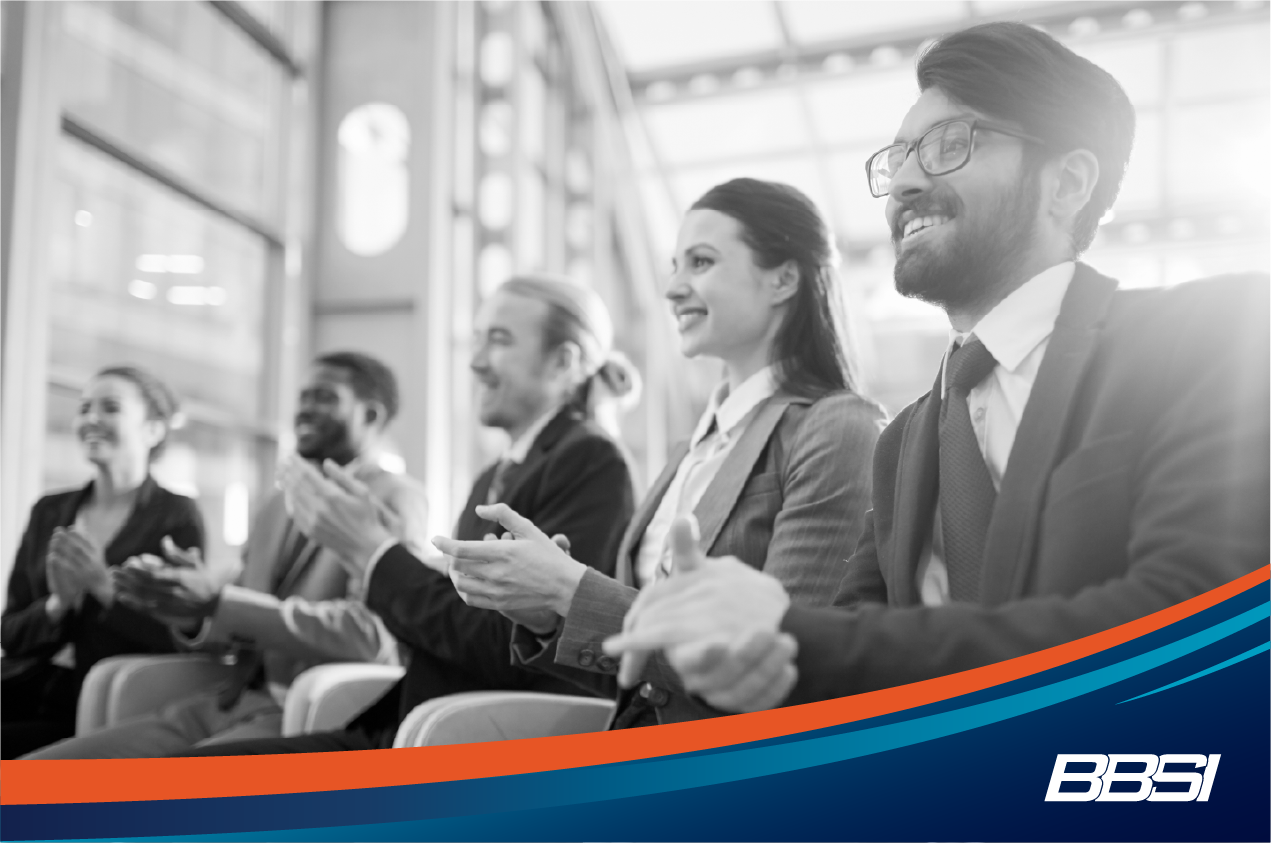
(328, 696)
(479, 716)
(121, 687)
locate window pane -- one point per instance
(178, 84)
(139, 274)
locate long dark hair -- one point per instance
(780, 224)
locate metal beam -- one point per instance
(798, 64)
(258, 32)
(101, 143)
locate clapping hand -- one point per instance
(76, 566)
(182, 590)
(335, 509)
(717, 621)
(528, 576)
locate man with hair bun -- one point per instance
(294, 605)
(1087, 455)
(542, 356)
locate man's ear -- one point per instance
(375, 413)
(785, 282)
(568, 355)
(1076, 174)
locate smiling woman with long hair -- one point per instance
(777, 471)
(61, 616)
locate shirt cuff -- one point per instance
(374, 560)
(198, 639)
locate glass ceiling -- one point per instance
(803, 92)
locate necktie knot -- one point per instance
(969, 364)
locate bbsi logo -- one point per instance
(1108, 771)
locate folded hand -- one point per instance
(526, 575)
(717, 621)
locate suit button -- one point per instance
(656, 696)
(607, 663)
(586, 658)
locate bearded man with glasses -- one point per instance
(1086, 456)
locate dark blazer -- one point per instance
(574, 481)
(790, 500)
(1138, 479)
(27, 634)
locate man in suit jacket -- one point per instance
(294, 605)
(789, 499)
(1087, 455)
(561, 467)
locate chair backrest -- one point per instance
(480, 716)
(121, 687)
(328, 696)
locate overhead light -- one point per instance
(196, 295)
(83, 219)
(142, 289)
(1084, 27)
(176, 264)
(185, 264)
(152, 263)
(1192, 11)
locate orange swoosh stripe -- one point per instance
(128, 780)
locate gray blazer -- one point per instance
(790, 500)
(313, 612)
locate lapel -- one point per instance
(1012, 532)
(288, 578)
(917, 485)
(721, 495)
(267, 542)
(132, 535)
(515, 475)
(625, 573)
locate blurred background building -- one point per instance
(219, 190)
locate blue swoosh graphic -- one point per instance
(1262, 648)
(622, 780)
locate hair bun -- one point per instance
(620, 378)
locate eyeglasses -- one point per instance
(941, 150)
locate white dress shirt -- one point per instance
(1016, 332)
(726, 418)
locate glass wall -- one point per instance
(166, 208)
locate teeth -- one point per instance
(919, 223)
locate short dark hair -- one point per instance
(161, 402)
(780, 224)
(1014, 72)
(370, 379)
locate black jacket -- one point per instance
(574, 481)
(30, 638)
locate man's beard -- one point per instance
(985, 256)
(330, 442)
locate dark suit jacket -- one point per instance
(574, 481)
(30, 638)
(790, 500)
(1138, 479)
